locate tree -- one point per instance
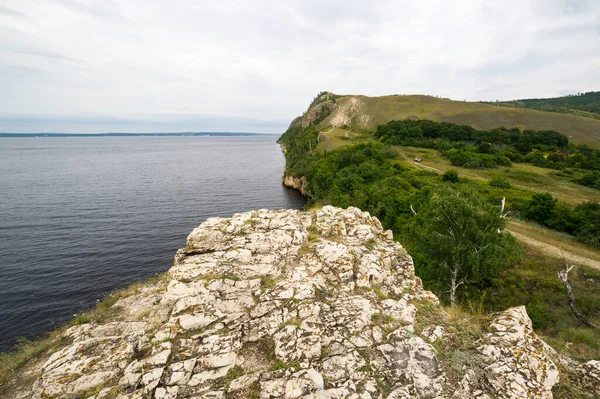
(540, 207)
(461, 239)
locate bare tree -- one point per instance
(563, 276)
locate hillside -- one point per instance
(404, 171)
(365, 113)
(582, 104)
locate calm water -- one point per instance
(80, 217)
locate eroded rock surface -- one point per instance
(288, 304)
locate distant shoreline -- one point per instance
(182, 134)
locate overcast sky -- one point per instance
(198, 65)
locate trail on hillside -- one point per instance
(545, 247)
(555, 251)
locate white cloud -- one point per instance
(254, 65)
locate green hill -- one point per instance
(582, 104)
(362, 113)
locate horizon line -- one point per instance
(57, 134)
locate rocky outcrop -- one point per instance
(290, 304)
(351, 112)
(297, 183)
(511, 345)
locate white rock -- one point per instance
(251, 292)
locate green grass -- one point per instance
(24, 352)
(281, 365)
(519, 175)
(580, 129)
(334, 138)
(554, 238)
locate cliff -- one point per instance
(290, 304)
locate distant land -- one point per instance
(189, 134)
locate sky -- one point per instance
(92, 66)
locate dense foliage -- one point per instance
(461, 240)
(468, 147)
(371, 177)
(583, 221)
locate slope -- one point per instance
(582, 104)
(362, 113)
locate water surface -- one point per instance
(80, 217)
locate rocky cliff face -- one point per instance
(297, 183)
(290, 304)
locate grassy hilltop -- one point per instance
(365, 113)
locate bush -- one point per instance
(588, 228)
(450, 176)
(540, 207)
(591, 179)
(536, 309)
(500, 182)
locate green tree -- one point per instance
(588, 230)
(461, 239)
(540, 207)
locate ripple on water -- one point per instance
(80, 217)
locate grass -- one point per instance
(522, 176)
(457, 351)
(334, 138)
(230, 277)
(268, 282)
(580, 129)
(554, 238)
(83, 318)
(27, 350)
(281, 365)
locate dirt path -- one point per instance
(555, 251)
(545, 247)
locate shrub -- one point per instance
(500, 182)
(540, 207)
(450, 176)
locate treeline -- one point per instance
(588, 102)
(583, 221)
(468, 147)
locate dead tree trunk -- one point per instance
(563, 276)
(454, 284)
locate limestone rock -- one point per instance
(590, 372)
(287, 304)
(516, 360)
